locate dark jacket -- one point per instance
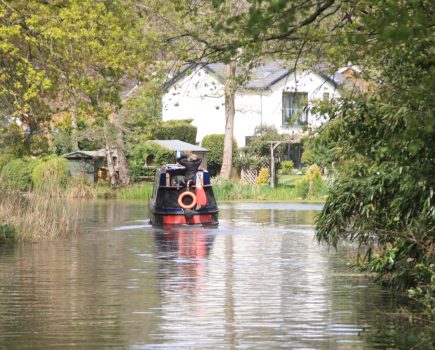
(191, 167)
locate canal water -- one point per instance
(257, 281)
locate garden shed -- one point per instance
(87, 164)
(177, 145)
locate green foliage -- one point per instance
(312, 184)
(7, 233)
(317, 152)
(142, 191)
(72, 56)
(257, 151)
(215, 144)
(263, 176)
(17, 174)
(87, 136)
(259, 144)
(382, 144)
(142, 114)
(286, 166)
(249, 162)
(4, 159)
(236, 190)
(51, 175)
(151, 152)
(62, 142)
(176, 130)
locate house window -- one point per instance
(294, 108)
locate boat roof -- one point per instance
(85, 154)
(175, 167)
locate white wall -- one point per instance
(200, 97)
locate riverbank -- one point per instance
(293, 188)
(226, 192)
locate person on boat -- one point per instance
(191, 163)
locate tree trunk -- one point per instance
(109, 157)
(124, 178)
(74, 139)
(230, 92)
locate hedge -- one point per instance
(215, 144)
(176, 130)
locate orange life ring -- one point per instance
(181, 197)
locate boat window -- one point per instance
(177, 180)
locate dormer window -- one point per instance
(294, 108)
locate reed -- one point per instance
(136, 191)
(80, 189)
(37, 216)
(143, 190)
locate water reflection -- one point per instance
(183, 254)
(258, 281)
(261, 288)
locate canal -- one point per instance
(257, 281)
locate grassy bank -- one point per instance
(289, 188)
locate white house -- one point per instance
(273, 95)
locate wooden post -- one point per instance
(272, 166)
(273, 146)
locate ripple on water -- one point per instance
(257, 281)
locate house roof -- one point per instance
(261, 77)
(177, 145)
(85, 154)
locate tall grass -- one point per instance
(137, 191)
(230, 190)
(37, 216)
(80, 188)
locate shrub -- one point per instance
(312, 184)
(7, 233)
(51, 175)
(263, 176)
(17, 174)
(313, 173)
(258, 145)
(316, 153)
(215, 144)
(286, 166)
(4, 159)
(176, 130)
(139, 155)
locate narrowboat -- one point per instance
(174, 202)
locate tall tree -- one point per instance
(230, 110)
(24, 113)
(74, 57)
(97, 49)
(188, 29)
(383, 142)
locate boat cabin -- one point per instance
(173, 201)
